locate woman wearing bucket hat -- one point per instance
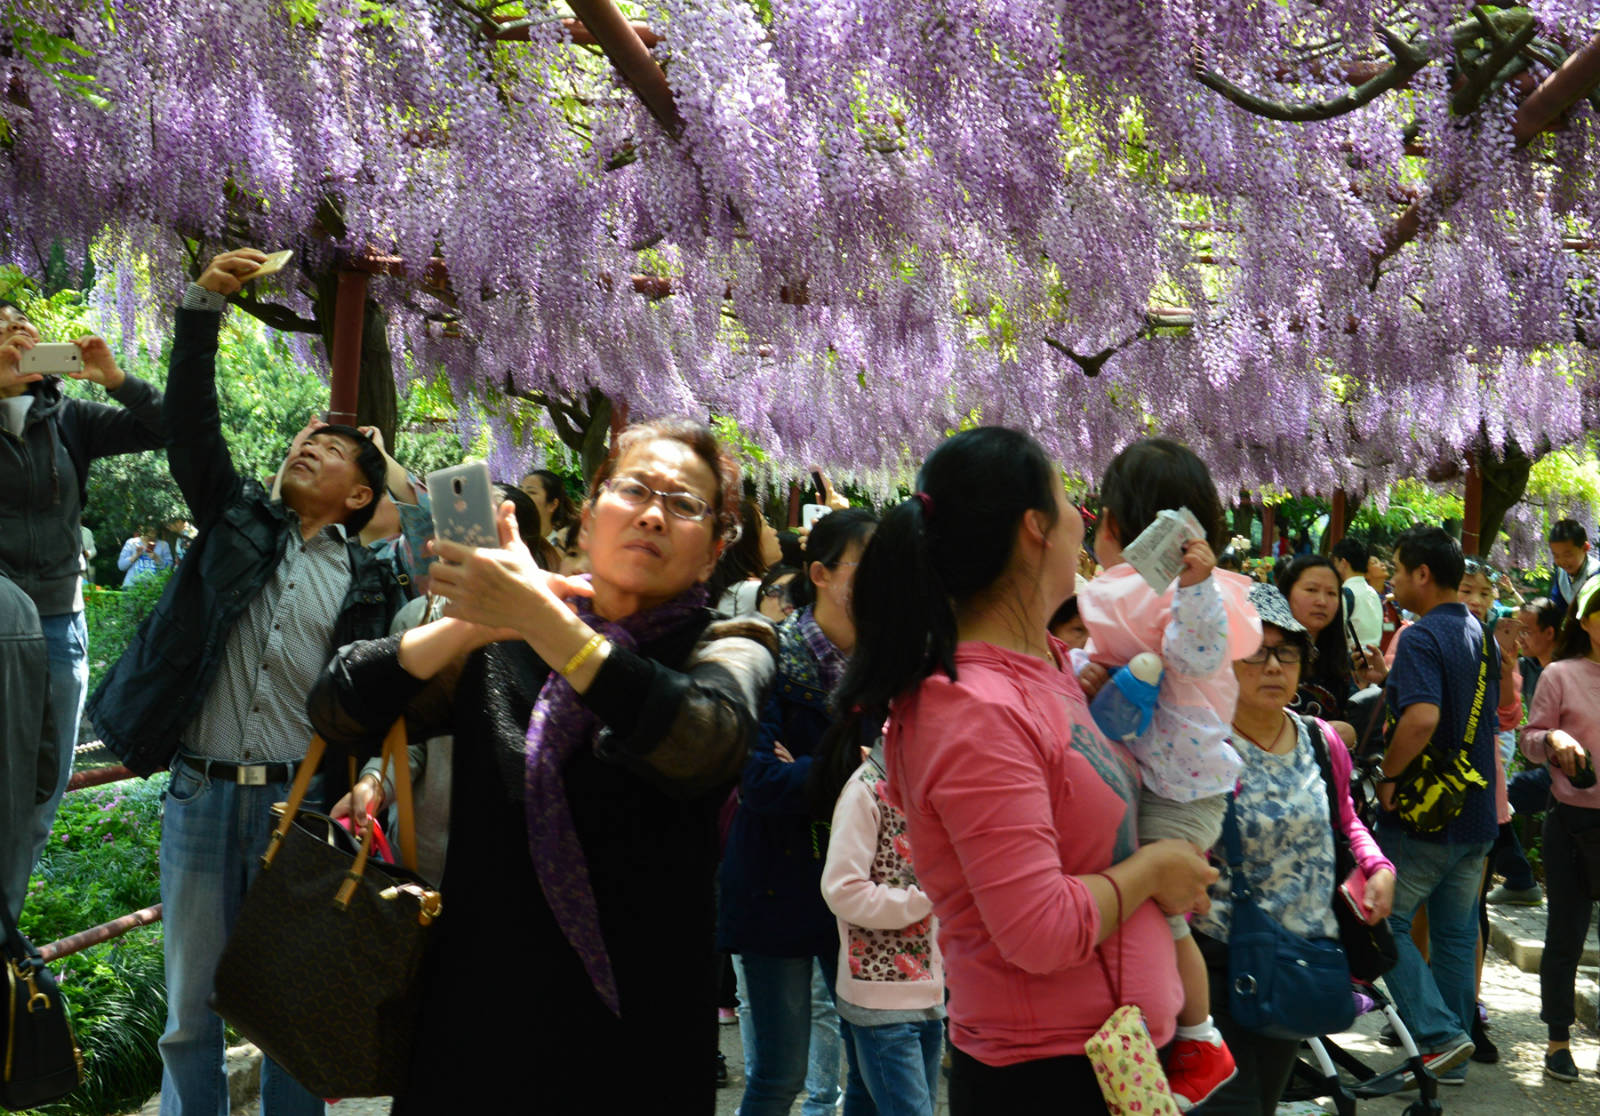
(1287, 840)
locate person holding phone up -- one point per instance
(599, 723)
(213, 684)
(47, 443)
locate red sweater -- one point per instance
(1009, 792)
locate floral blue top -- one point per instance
(1287, 840)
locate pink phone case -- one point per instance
(1354, 892)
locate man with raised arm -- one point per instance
(214, 683)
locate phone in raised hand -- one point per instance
(463, 505)
(274, 263)
(51, 358)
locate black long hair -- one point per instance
(1574, 642)
(949, 542)
(1329, 666)
(741, 560)
(830, 537)
(555, 488)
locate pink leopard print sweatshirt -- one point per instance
(888, 956)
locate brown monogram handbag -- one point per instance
(321, 969)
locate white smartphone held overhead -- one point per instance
(463, 505)
(810, 513)
(51, 358)
(274, 263)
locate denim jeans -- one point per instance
(898, 1064)
(66, 639)
(1569, 908)
(1437, 999)
(778, 1025)
(213, 833)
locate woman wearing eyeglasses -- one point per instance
(772, 916)
(599, 724)
(1287, 841)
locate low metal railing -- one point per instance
(83, 939)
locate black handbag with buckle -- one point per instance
(320, 971)
(42, 1062)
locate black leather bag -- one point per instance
(41, 1059)
(1369, 948)
(321, 969)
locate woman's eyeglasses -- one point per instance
(1286, 653)
(636, 494)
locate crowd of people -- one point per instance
(868, 761)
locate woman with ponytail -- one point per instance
(1021, 813)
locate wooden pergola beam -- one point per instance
(628, 53)
(1576, 78)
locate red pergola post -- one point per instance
(349, 317)
(1338, 518)
(1269, 531)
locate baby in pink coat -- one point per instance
(1199, 625)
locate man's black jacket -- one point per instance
(153, 692)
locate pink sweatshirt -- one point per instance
(1568, 698)
(1009, 792)
(888, 955)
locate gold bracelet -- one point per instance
(582, 655)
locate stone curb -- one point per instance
(1510, 937)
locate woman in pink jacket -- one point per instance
(1021, 814)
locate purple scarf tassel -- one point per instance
(560, 722)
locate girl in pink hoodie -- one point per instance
(890, 991)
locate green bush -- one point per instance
(102, 862)
(113, 615)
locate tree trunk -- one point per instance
(1505, 479)
(377, 402)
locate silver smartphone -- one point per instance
(51, 358)
(463, 505)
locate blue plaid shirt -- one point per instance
(830, 660)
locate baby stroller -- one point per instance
(1320, 1076)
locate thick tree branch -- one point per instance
(278, 317)
(1408, 59)
(1499, 66)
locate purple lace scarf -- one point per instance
(559, 724)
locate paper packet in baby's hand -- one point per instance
(1157, 554)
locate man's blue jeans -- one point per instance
(213, 833)
(66, 639)
(1437, 999)
(899, 1064)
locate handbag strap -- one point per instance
(395, 756)
(1478, 694)
(1233, 849)
(18, 947)
(1317, 731)
(1114, 989)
